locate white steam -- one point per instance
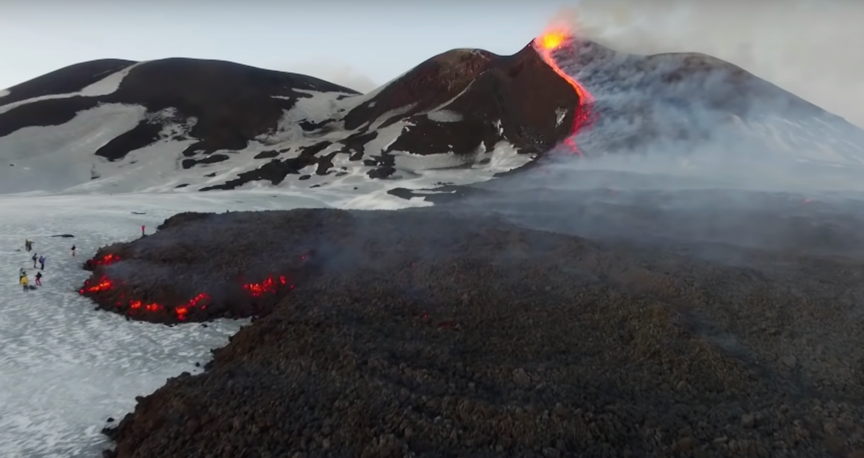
(809, 48)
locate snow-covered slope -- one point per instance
(185, 124)
(65, 369)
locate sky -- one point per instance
(810, 47)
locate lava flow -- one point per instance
(545, 45)
(106, 287)
(269, 285)
(106, 260)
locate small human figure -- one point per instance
(35, 259)
(25, 283)
(28, 245)
(38, 278)
(73, 250)
(41, 263)
(22, 273)
(143, 229)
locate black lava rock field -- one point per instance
(440, 332)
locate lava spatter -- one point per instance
(546, 44)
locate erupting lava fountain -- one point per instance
(546, 44)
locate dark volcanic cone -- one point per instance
(518, 98)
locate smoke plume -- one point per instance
(806, 47)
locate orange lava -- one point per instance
(546, 44)
(106, 260)
(553, 39)
(270, 285)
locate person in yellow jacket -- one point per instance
(25, 282)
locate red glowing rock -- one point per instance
(269, 285)
(101, 287)
(106, 260)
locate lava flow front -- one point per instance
(115, 295)
(546, 44)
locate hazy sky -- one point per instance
(810, 47)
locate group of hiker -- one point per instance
(38, 262)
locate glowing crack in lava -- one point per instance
(269, 285)
(106, 260)
(545, 45)
(103, 284)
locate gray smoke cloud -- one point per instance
(807, 47)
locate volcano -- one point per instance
(561, 310)
(462, 116)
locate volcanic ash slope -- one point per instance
(425, 333)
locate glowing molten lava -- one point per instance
(545, 45)
(269, 285)
(106, 260)
(552, 40)
(273, 284)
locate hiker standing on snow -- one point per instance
(22, 273)
(38, 278)
(24, 282)
(41, 263)
(73, 250)
(28, 245)
(35, 258)
(143, 228)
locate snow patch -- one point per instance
(418, 163)
(321, 106)
(4, 92)
(109, 84)
(57, 157)
(376, 124)
(498, 126)
(386, 137)
(503, 158)
(560, 113)
(105, 86)
(447, 103)
(444, 116)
